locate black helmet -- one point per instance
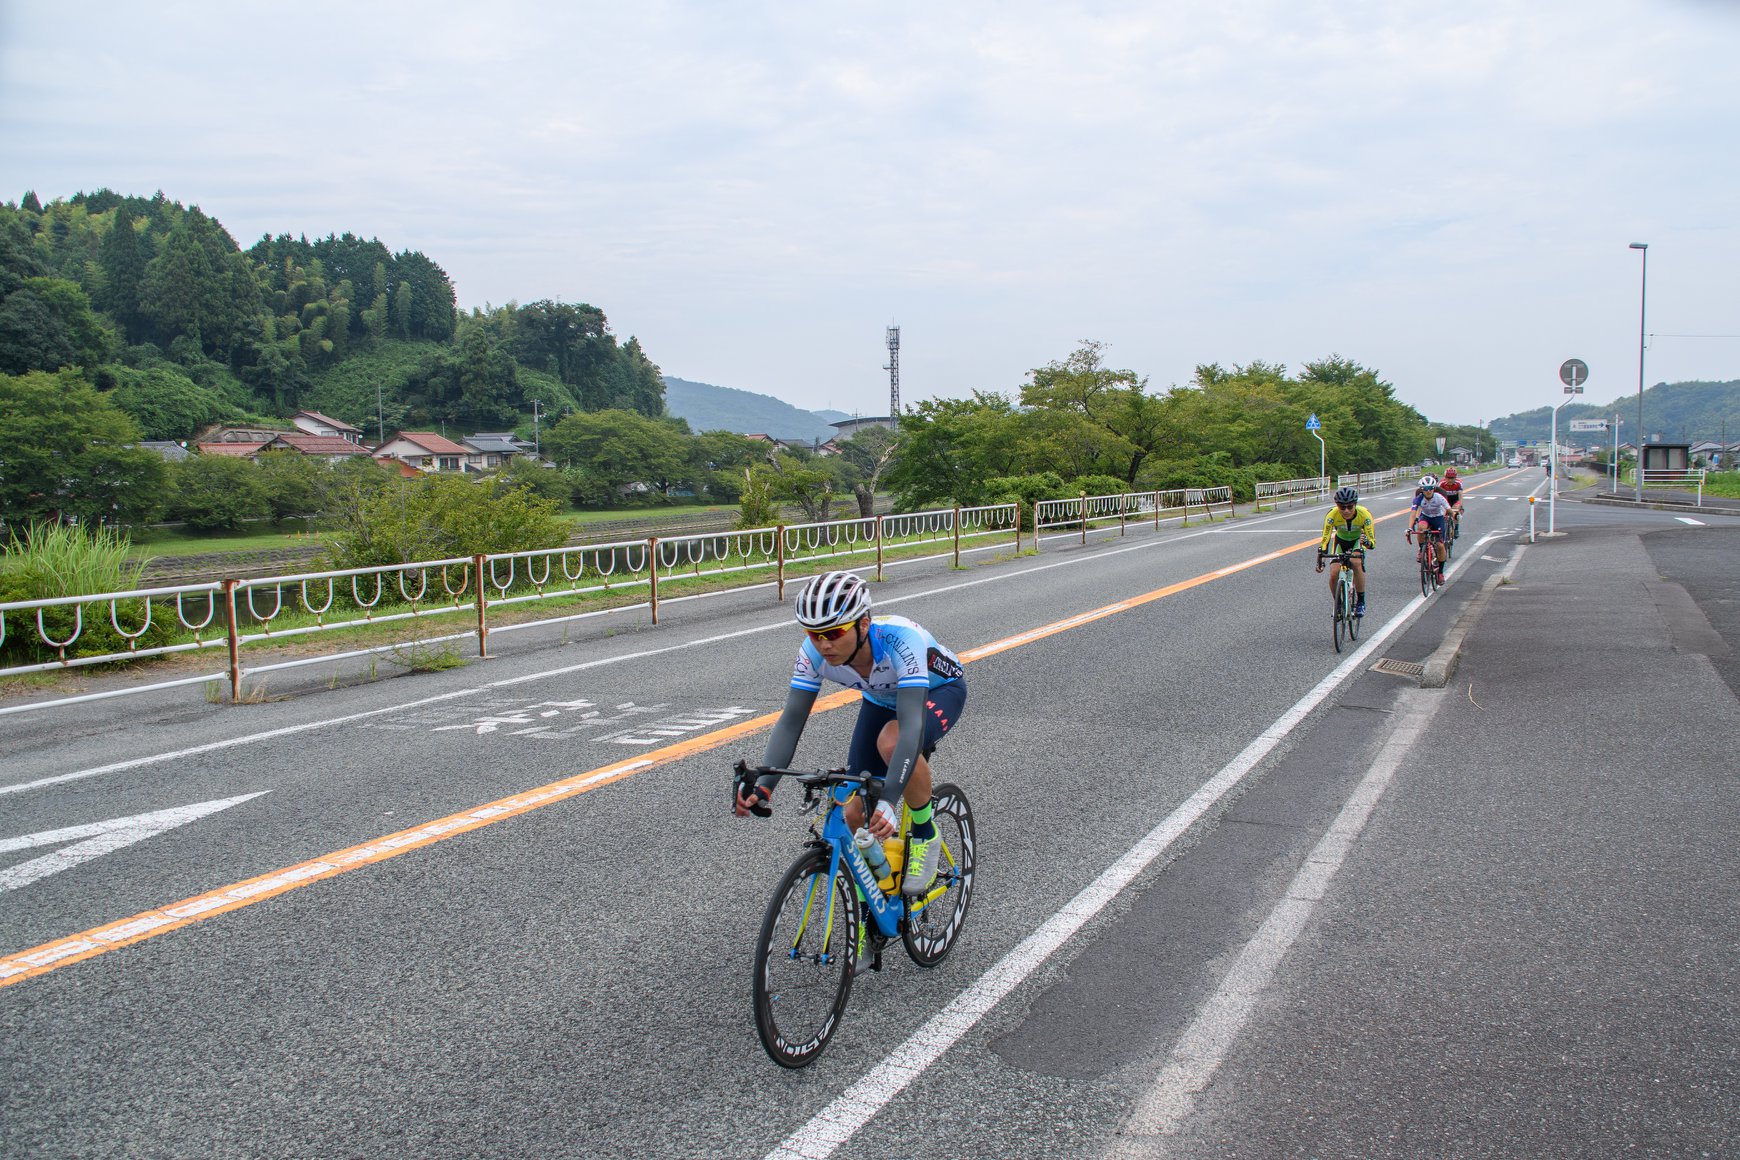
(1346, 495)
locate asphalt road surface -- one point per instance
(1238, 895)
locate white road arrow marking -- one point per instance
(99, 838)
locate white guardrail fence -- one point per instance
(1268, 494)
(1681, 480)
(223, 618)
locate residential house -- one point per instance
(225, 433)
(170, 450)
(331, 448)
(494, 449)
(235, 449)
(314, 423)
(424, 452)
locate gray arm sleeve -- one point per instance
(909, 713)
(782, 743)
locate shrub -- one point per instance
(1099, 485)
(1029, 489)
(437, 517)
(53, 560)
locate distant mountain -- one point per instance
(710, 408)
(1678, 412)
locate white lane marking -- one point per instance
(99, 838)
(780, 625)
(210, 747)
(1690, 520)
(853, 1108)
(1203, 1047)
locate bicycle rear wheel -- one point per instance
(931, 932)
(804, 960)
(1350, 594)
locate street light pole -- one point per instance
(1642, 301)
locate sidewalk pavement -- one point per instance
(1530, 949)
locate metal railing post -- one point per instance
(1017, 527)
(1123, 505)
(779, 559)
(652, 558)
(957, 535)
(879, 520)
(482, 608)
(1083, 502)
(235, 641)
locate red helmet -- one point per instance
(1449, 473)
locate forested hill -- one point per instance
(164, 313)
(1678, 412)
(710, 408)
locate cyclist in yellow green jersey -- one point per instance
(1348, 528)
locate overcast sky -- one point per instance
(1442, 192)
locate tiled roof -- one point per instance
(433, 443)
(339, 424)
(318, 445)
(238, 450)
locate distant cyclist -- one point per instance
(1450, 487)
(1347, 528)
(1431, 510)
(914, 690)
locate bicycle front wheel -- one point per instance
(1426, 569)
(1339, 613)
(804, 960)
(931, 932)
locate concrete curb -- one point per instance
(1441, 665)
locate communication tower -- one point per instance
(893, 369)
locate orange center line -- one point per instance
(148, 924)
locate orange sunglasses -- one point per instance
(830, 633)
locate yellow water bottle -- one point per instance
(895, 851)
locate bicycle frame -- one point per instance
(887, 911)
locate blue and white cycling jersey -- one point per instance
(1431, 506)
(902, 656)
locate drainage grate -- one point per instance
(1400, 668)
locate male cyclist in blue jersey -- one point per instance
(914, 689)
(1347, 528)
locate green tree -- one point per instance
(867, 455)
(620, 449)
(164, 401)
(295, 484)
(217, 493)
(47, 324)
(65, 453)
(1116, 403)
(951, 448)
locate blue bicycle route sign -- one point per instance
(1312, 424)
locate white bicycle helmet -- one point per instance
(832, 599)
(1428, 481)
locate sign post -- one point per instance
(1313, 426)
(1573, 372)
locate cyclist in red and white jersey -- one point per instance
(1450, 487)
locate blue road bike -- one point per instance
(829, 919)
